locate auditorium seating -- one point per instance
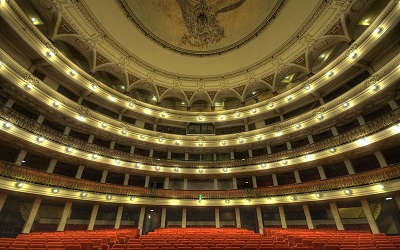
(203, 239)
(69, 240)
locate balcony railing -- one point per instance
(17, 173)
(32, 126)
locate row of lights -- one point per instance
(362, 141)
(227, 201)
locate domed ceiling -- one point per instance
(202, 27)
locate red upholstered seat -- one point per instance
(331, 247)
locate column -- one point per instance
(336, 216)
(334, 131)
(141, 219)
(349, 167)
(275, 179)
(393, 104)
(397, 200)
(215, 184)
(104, 176)
(51, 166)
(163, 217)
(166, 183)
(184, 217)
(254, 180)
(310, 139)
(297, 176)
(217, 222)
(308, 216)
(288, 145)
(237, 216)
(147, 181)
(3, 198)
(119, 217)
(31, 218)
(79, 172)
(64, 216)
(185, 184)
(259, 220)
(20, 158)
(321, 172)
(93, 216)
(282, 216)
(381, 159)
(234, 183)
(370, 216)
(126, 179)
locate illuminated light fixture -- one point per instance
(200, 143)
(397, 128)
(380, 186)
(221, 117)
(307, 87)
(200, 170)
(177, 143)
(378, 31)
(353, 54)
(289, 98)
(363, 141)
(225, 169)
(345, 104)
(1, 63)
(201, 117)
(287, 77)
(163, 113)
(248, 200)
(80, 118)
(160, 139)
(28, 86)
(132, 198)
(199, 201)
(374, 87)
(240, 140)
(72, 72)
(389, 198)
(83, 194)
(104, 125)
(117, 161)
(320, 116)
(94, 156)
(263, 165)
(122, 87)
(94, 85)
(270, 104)
(254, 111)
(55, 190)
(123, 131)
(292, 197)
(332, 150)
(130, 104)
(223, 142)
(19, 184)
(142, 136)
(40, 139)
(183, 103)
(227, 201)
(50, 53)
(322, 55)
(7, 124)
(297, 125)
(70, 149)
(176, 169)
(366, 20)
(284, 162)
(278, 133)
(237, 113)
(259, 137)
(307, 157)
(157, 167)
(138, 165)
(330, 73)
(108, 197)
(318, 195)
(112, 98)
(33, 19)
(56, 104)
(347, 191)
